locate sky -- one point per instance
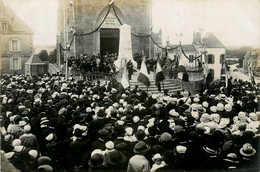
(234, 22)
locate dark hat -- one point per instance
(140, 134)
(44, 160)
(168, 156)
(115, 158)
(96, 160)
(231, 157)
(153, 131)
(45, 168)
(103, 132)
(121, 147)
(141, 147)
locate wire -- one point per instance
(195, 58)
(84, 34)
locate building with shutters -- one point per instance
(16, 41)
(215, 54)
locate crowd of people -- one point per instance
(52, 124)
(85, 63)
(105, 64)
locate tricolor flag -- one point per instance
(143, 74)
(252, 79)
(125, 80)
(226, 67)
(159, 75)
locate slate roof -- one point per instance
(211, 41)
(34, 59)
(186, 48)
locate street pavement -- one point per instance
(237, 73)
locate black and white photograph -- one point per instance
(130, 85)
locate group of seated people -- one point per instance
(52, 124)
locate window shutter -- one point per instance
(206, 58)
(11, 63)
(10, 46)
(19, 46)
(213, 59)
(19, 63)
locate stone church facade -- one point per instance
(87, 15)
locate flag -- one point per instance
(143, 74)
(159, 73)
(125, 80)
(252, 79)
(226, 67)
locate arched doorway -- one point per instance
(106, 40)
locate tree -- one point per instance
(43, 55)
(53, 56)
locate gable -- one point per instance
(15, 23)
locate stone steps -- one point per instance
(170, 84)
(53, 68)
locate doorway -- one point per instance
(109, 41)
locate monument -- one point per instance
(125, 47)
(89, 15)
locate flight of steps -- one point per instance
(53, 68)
(171, 85)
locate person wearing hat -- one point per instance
(249, 160)
(158, 162)
(33, 160)
(28, 139)
(77, 149)
(96, 163)
(169, 159)
(230, 162)
(19, 153)
(139, 162)
(115, 161)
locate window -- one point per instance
(4, 26)
(223, 71)
(15, 45)
(15, 63)
(211, 59)
(222, 58)
(190, 58)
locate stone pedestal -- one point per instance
(125, 47)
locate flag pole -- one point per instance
(163, 85)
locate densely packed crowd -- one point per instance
(105, 64)
(52, 124)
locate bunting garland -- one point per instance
(195, 58)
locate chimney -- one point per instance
(168, 41)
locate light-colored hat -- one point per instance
(27, 128)
(129, 131)
(109, 145)
(96, 151)
(16, 142)
(220, 107)
(156, 156)
(174, 113)
(247, 150)
(181, 149)
(213, 109)
(33, 153)
(50, 137)
(228, 107)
